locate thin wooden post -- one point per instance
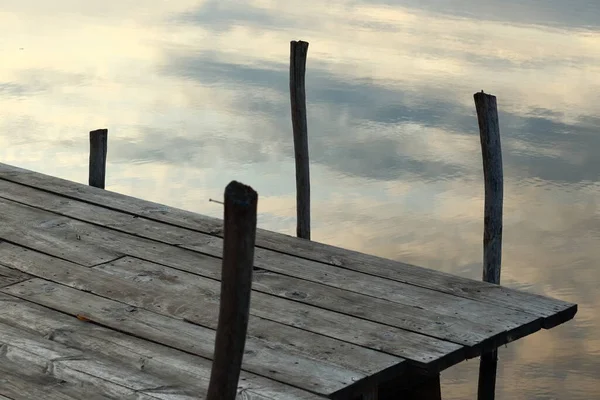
(236, 283)
(489, 129)
(298, 52)
(98, 149)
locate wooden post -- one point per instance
(489, 129)
(236, 283)
(98, 148)
(298, 52)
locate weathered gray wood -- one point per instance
(294, 361)
(60, 236)
(112, 244)
(553, 312)
(298, 52)
(172, 297)
(19, 381)
(475, 332)
(414, 318)
(173, 365)
(96, 214)
(419, 349)
(9, 276)
(236, 285)
(117, 244)
(72, 365)
(173, 288)
(489, 130)
(98, 149)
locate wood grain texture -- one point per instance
(60, 236)
(176, 366)
(129, 280)
(298, 53)
(294, 361)
(74, 366)
(98, 150)
(477, 329)
(21, 381)
(420, 349)
(553, 312)
(506, 323)
(80, 239)
(236, 286)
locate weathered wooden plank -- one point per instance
(500, 325)
(99, 215)
(72, 365)
(20, 381)
(73, 240)
(421, 349)
(171, 296)
(60, 236)
(315, 368)
(553, 311)
(173, 365)
(514, 323)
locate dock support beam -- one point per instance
(416, 386)
(298, 53)
(489, 129)
(98, 149)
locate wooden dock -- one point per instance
(106, 296)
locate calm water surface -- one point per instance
(195, 94)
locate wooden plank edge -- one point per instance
(565, 315)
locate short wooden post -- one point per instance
(236, 283)
(298, 52)
(98, 149)
(489, 129)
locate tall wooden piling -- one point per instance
(489, 129)
(298, 53)
(236, 283)
(98, 150)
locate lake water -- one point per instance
(195, 94)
